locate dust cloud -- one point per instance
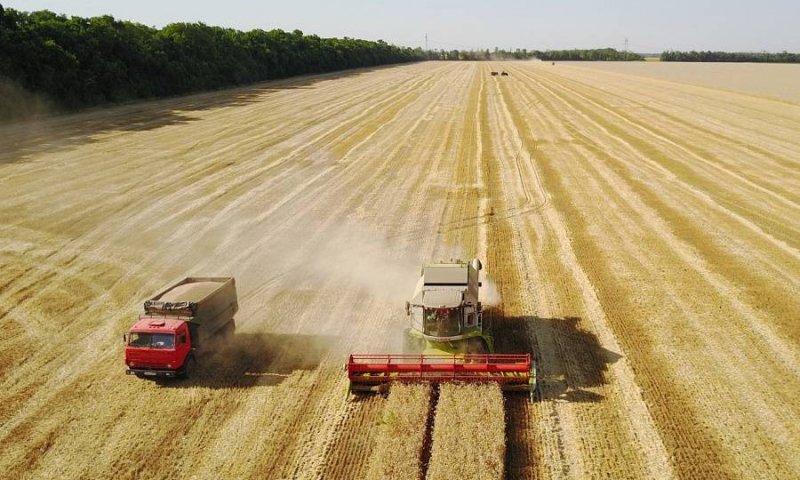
(489, 293)
(283, 269)
(348, 255)
(16, 103)
(368, 262)
(333, 259)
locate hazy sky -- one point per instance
(734, 25)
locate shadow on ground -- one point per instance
(249, 359)
(573, 360)
(56, 133)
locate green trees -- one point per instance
(79, 62)
(600, 54)
(709, 56)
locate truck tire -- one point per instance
(188, 368)
(229, 330)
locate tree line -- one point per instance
(592, 54)
(589, 55)
(78, 62)
(610, 54)
(480, 54)
(709, 56)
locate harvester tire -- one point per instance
(477, 346)
(412, 344)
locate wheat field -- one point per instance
(643, 234)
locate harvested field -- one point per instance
(776, 80)
(401, 440)
(469, 438)
(643, 234)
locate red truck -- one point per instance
(176, 323)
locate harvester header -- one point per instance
(374, 372)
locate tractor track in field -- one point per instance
(642, 235)
(567, 373)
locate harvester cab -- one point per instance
(448, 340)
(446, 313)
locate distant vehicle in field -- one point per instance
(494, 74)
(176, 323)
(504, 73)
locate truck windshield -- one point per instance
(442, 322)
(152, 340)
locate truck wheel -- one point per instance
(188, 367)
(228, 331)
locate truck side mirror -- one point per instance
(408, 308)
(125, 338)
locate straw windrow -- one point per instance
(468, 433)
(398, 453)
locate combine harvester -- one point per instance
(449, 339)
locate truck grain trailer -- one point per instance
(177, 323)
(449, 340)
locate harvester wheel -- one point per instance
(477, 346)
(412, 344)
(536, 392)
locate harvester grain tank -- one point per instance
(448, 340)
(177, 323)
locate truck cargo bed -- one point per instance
(206, 303)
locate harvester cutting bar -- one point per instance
(368, 372)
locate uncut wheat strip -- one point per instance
(398, 453)
(469, 439)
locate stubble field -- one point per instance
(643, 235)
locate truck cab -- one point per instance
(158, 347)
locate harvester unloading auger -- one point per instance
(449, 339)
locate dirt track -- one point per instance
(644, 235)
